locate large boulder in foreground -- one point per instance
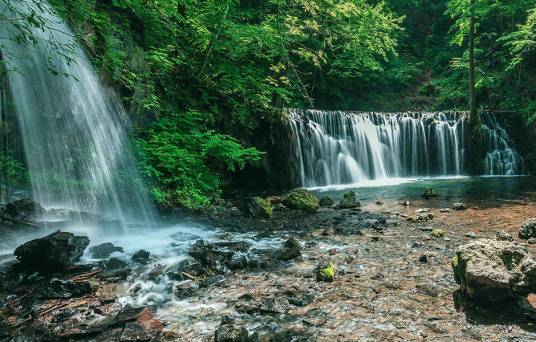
(301, 199)
(53, 252)
(493, 270)
(528, 229)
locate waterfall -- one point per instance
(332, 147)
(73, 130)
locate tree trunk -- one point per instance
(472, 91)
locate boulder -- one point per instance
(103, 250)
(503, 236)
(301, 199)
(491, 270)
(24, 209)
(437, 233)
(348, 201)
(258, 207)
(218, 255)
(53, 252)
(291, 250)
(141, 256)
(458, 206)
(429, 193)
(326, 202)
(528, 229)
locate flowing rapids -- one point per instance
(73, 131)
(332, 148)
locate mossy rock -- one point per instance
(429, 193)
(301, 199)
(349, 200)
(437, 233)
(259, 207)
(325, 272)
(326, 202)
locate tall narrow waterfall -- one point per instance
(350, 147)
(74, 133)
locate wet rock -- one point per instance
(53, 252)
(405, 203)
(301, 199)
(257, 207)
(134, 331)
(458, 206)
(24, 209)
(444, 210)
(274, 305)
(492, 270)
(291, 250)
(326, 202)
(423, 217)
(429, 193)
(503, 236)
(62, 289)
(229, 332)
(191, 267)
(348, 201)
(437, 233)
(217, 256)
(423, 258)
(531, 241)
(300, 298)
(379, 202)
(280, 207)
(471, 235)
(185, 289)
(141, 256)
(325, 271)
(528, 229)
(103, 250)
(113, 264)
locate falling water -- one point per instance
(74, 132)
(350, 147)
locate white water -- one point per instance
(74, 131)
(342, 148)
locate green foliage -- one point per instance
(13, 171)
(184, 164)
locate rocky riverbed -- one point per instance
(376, 271)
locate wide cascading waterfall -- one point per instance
(74, 133)
(332, 148)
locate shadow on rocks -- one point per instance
(517, 311)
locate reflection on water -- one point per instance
(487, 190)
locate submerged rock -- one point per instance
(258, 207)
(53, 252)
(301, 199)
(349, 201)
(103, 250)
(429, 193)
(291, 250)
(528, 229)
(493, 270)
(326, 202)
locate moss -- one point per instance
(429, 193)
(264, 206)
(301, 199)
(437, 233)
(326, 201)
(326, 274)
